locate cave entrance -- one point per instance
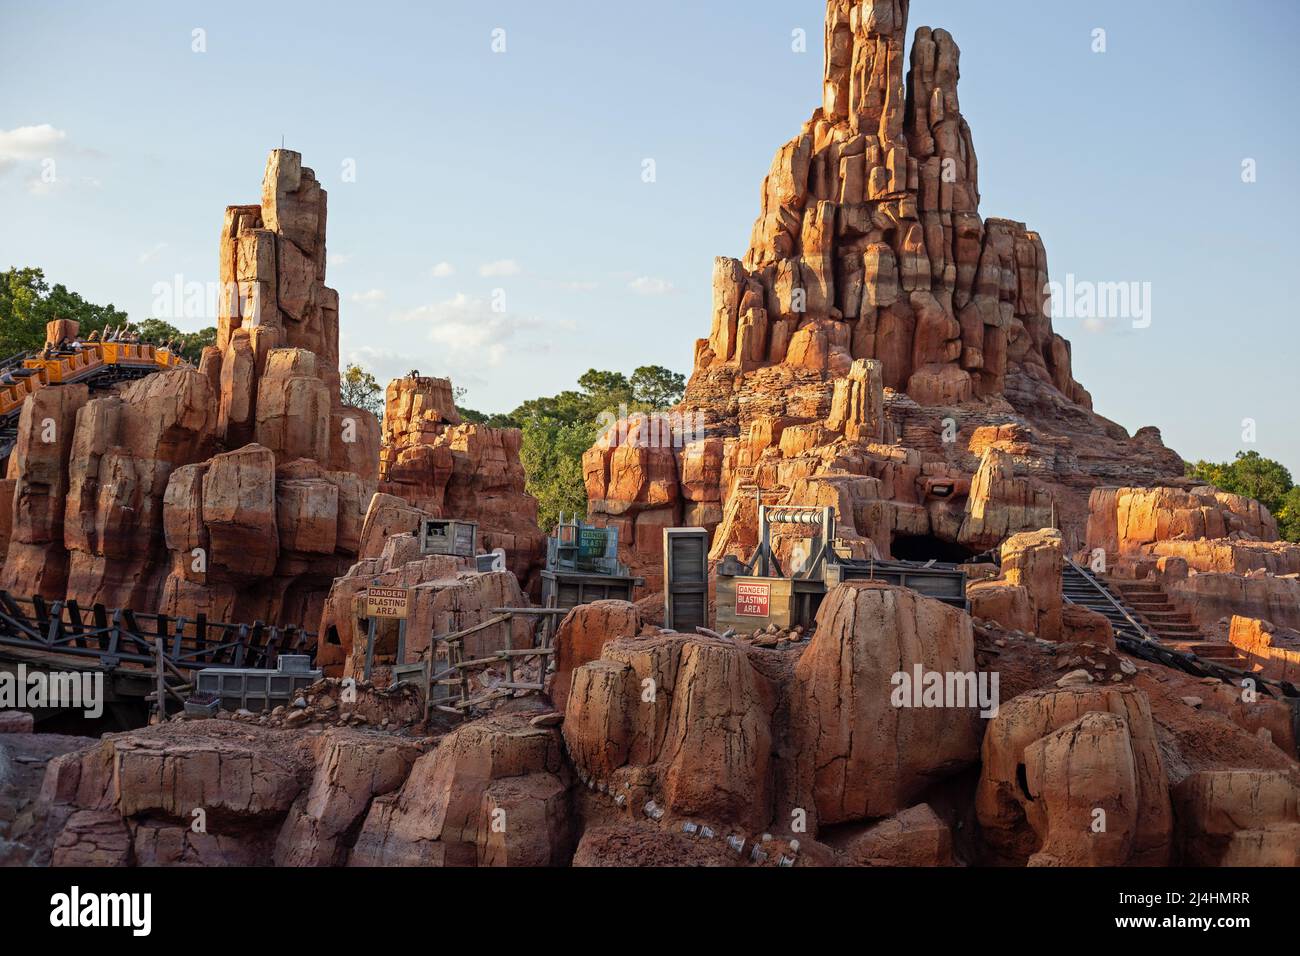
(927, 547)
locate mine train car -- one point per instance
(97, 364)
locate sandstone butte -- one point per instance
(880, 349)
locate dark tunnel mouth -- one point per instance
(928, 547)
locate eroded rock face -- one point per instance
(264, 796)
(1239, 818)
(732, 733)
(686, 719)
(351, 770)
(914, 837)
(1127, 521)
(236, 490)
(1272, 651)
(885, 327)
(1034, 561)
(447, 595)
(1085, 777)
(454, 470)
(37, 561)
(494, 793)
(860, 756)
(1054, 757)
(1216, 554)
(582, 636)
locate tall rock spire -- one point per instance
(875, 339)
(869, 243)
(864, 65)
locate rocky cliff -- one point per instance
(453, 469)
(870, 248)
(236, 490)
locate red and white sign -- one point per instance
(753, 599)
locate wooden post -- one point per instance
(370, 650)
(401, 641)
(510, 645)
(162, 681)
(428, 679)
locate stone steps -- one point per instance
(1173, 626)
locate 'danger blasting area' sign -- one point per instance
(752, 599)
(387, 602)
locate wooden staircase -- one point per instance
(1173, 627)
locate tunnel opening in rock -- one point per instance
(116, 717)
(928, 547)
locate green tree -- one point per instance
(1250, 474)
(1265, 480)
(1288, 515)
(657, 387)
(557, 429)
(493, 420)
(188, 344)
(359, 388)
(28, 302)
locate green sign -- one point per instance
(591, 543)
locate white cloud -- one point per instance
(339, 259)
(442, 270)
(648, 285)
(469, 332)
(578, 286)
(502, 267)
(26, 143)
(369, 297)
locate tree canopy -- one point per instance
(1267, 481)
(359, 388)
(28, 302)
(557, 429)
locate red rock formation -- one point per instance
(1216, 554)
(1240, 818)
(447, 595)
(456, 470)
(870, 248)
(860, 755)
(129, 500)
(582, 637)
(1272, 651)
(1033, 560)
(494, 793)
(1056, 736)
(721, 731)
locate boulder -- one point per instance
(493, 793)
(1017, 815)
(859, 755)
(581, 637)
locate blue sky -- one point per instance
(521, 171)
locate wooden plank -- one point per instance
(481, 662)
(75, 626)
(531, 611)
(461, 635)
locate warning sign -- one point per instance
(753, 599)
(387, 602)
